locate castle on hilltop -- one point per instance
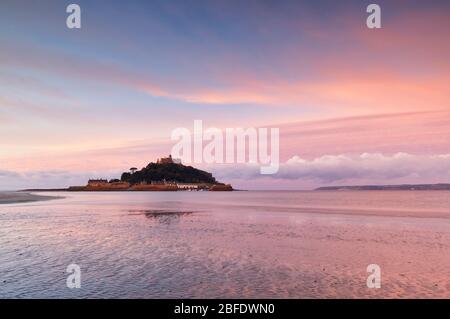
(159, 176)
(168, 160)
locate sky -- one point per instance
(353, 105)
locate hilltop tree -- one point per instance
(169, 172)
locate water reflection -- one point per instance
(228, 245)
(165, 217)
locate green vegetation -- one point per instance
(158, 172)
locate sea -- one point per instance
(243, 244)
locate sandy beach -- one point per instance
(227, 245)
(23, 197)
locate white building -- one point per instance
(187, 186)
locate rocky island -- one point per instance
(166, 174)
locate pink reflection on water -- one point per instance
(240, 244)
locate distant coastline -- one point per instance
(162, 187)
(403, 187)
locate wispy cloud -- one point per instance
(410, 132)
(77, 101)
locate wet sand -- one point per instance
(228, 245)
(21, 197)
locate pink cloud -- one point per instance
(413, 132)
(418, 133)
(365, 168)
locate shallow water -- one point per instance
(227, 245)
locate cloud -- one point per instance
(366, 168)
(413, 132)
(379, 167)
(346, 68)
(30, 84)
(14, 180)
(9, 174)
(295, 173)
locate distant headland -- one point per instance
(167, 174)
(409, 187)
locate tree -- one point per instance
(133, 169)
(169, 172)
